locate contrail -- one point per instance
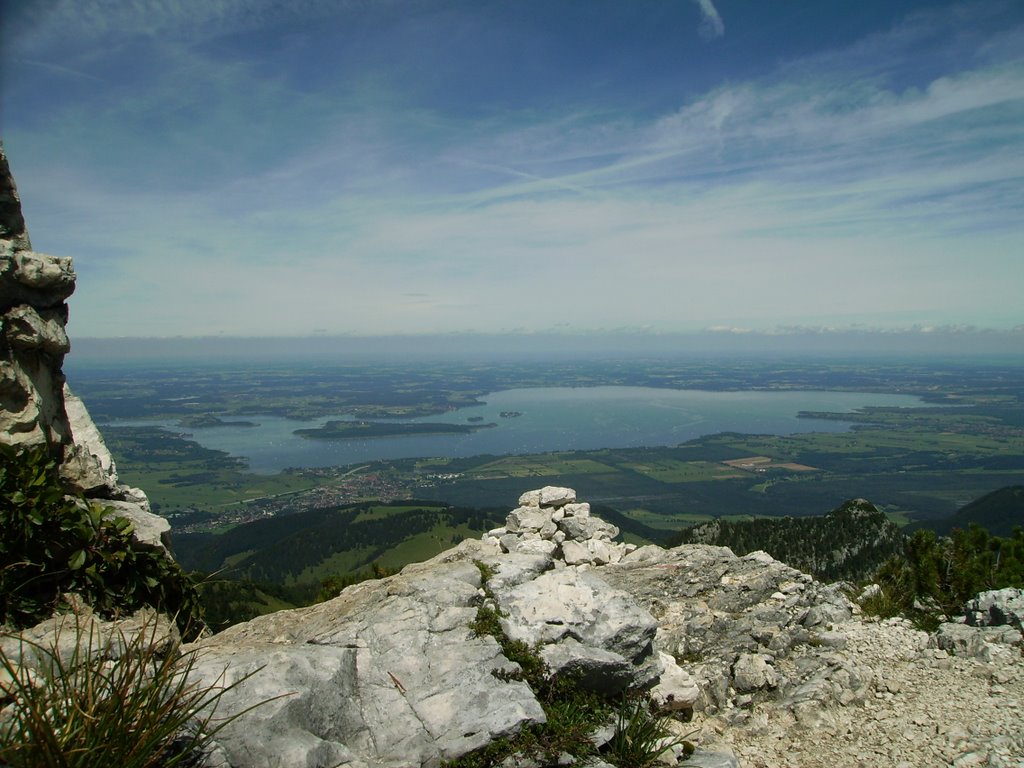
(554, 182)
(62, 70)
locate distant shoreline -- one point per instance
(354, 430)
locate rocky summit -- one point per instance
(391, 672)
(760, 663)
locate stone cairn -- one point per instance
(550, 522)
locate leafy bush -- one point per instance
(52, 544)
(138, 710)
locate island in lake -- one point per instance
(510, 414)
(204, 420)
(346, 430)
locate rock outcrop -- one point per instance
(997, 608)
(791, 674)
(36, 407)
(550, 522)
(391, 672)
(758, 658)
(33, 312)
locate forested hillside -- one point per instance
(850, 542)
(998, 512)
(308, 547)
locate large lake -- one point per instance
(553, 419)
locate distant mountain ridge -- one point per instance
(998, 512)
(850, 542)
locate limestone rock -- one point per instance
(581, 509)
(676, 689)
(583, 528)
(593, 669)
(544, 547)
(530, 499)
(736, 619)
(553, 496)
(79, 631)
(37, 279)
(32, 411)
(707, 759)
(28, 328)
(86, 436)
(546, 517)
(516, 568)
(531, 519)
(12, 223)
(752, 672)
(981, 643)
(148, 528)
(573, 604)
(997, 607)
(387, 673)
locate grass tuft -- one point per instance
(124, 702)
(641, 736)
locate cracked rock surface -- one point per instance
(390, 673)
(792, 675)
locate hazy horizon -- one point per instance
(971, 345)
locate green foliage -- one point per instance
(138, 710)
(934, 576)
(226, 603)
(487, 622)
(487, 572)
(332, 586)
(850, 542)
(51, 544)
(306, 547)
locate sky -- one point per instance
(380, 167)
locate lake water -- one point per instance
(553, 419)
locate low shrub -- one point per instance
(935, 576)
(52, 544)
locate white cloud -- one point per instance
(807, 197)
(711, 25)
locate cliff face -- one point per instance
(36, 407)
(33, 312)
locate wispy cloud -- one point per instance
(66, 71)
(711, 25)
(74, 22)
(820, 193)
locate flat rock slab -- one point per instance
(388, 673)
(577, 604)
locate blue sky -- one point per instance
(260, 167)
